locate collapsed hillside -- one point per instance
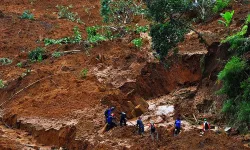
(60, 108)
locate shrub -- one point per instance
(37, 54)
(232, 73)
(27, 15)
(220, 5)
(166, 36)
(1, 84)
(20, 64)
(138, 42)
(76, 38)
(84, 73)
(140, 29)
(65, 13)
(94, 36)
(57, 54)
(120, 11)
(227, 16)
(5, 61)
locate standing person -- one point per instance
(140, 126)
(177, 125)
(123, 119)
(153, 131)
(111, 122)
(206, 125)
(108, 113)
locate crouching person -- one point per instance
(111, 123)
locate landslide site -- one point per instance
(57, 100)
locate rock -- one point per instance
(142, 102)
(138, 111)
(247, 137)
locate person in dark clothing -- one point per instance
(153, 132)
(110, 122)
(140, 126)
(177, 125)
(108, 113)
(123, 119)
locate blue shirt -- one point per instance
(178, 123)
(140, 123)
(109, 119)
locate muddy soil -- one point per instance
(57, 107)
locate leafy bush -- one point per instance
(227, 16)
(94, 36)
(140, 29)
(65, 13)
(20, 64)
(138, 42)
(76, 38)
(37, 54)
(5, 61)
(84, 73)
(27, 15)
(220, 5)
(56, 54)
(204, 8)
(236, 83)
(120, 11)
(232, 73)
(1, 84)
(166, 36)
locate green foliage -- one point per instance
(37, 54)
(236, 85)
(231, 75)
(20, 64)
(120, 11)
(105, 10)
(161, 10)
(1, 84)
(84, 73)
(220, 5)
(166, 36)
(227, 16)
(247, 19)
(138, 42)
(140, 29)
(65, 13)
(27, 15)
(5, 61)
(94, 36)
(238, 41)
(76, 38)
(57, 54)
(204, 8)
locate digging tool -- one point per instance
(103, 129)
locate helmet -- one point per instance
(205, 119)
(112, 108)
(152, 122)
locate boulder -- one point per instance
(138, 111)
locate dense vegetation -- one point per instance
(236, 79)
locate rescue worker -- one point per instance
(140, 126)
(153, 131)
(110, 121)
(177, 125)
(108, 113)
(123, 119)
(206, 125)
